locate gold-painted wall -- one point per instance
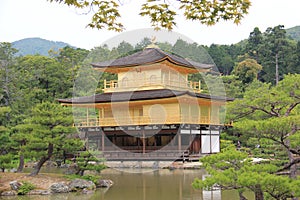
(163, 113)
(151, 77)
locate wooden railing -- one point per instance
(154, 155)
(114, 85)
(144, 120)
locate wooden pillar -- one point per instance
(102, 140)
(99, 116)
(86, 139)
(179, 140)
(155, 141)
(102, 117)
(144, 142)
(190, 141)
(87, 116)
(172, 140)
(98, 144)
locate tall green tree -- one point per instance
(292, 59)
(272, 112)
(247, 70)
(275, 40)
(124, 47)
(233, 169)
(254, 44)
(143, 43)
(274, 51)
(51, 126)
(6, 152)
(71, 59)
(223, 56)
(20, 135)
(7, 74)
(191, 51)
(44, 77)
(233, 86)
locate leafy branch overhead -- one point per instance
(162, 13)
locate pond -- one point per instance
(137, 184)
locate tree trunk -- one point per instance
(80, 172)
(21, 163)
(242, 197)
(259, 195)
(38, 167)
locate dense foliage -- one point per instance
(25, 188)
(233, 169)
(106, 14)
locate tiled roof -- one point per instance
(150, 56)
(137, 95)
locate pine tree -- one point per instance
(51, 126)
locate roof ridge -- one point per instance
(149, 56)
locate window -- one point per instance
(210, 141)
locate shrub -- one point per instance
(93, 178)
(25, 188)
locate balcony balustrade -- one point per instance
(144, 120)
(127, 85)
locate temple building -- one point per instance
(152, 111)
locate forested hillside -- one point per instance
(32, 46)
(294, 33)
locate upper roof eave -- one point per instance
(138, 95)
(149, 56)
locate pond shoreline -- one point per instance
(12, 184)
(152, 165)
(43, 181)
(137, 184)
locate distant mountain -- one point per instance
(32, 46)
(294, 33)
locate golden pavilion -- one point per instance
(152, 111)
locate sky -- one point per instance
(53, 21)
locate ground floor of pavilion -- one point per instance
(153, 142)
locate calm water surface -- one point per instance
(135, 184)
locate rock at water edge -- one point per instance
(104, 183)
(15, 185)
(59, 188)
(80, 184)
